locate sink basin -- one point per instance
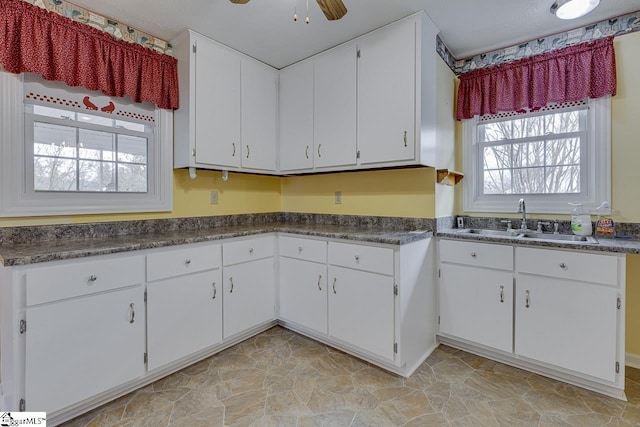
(488, 232)
(558, 237)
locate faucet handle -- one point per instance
(540, 224)
(556, 226)
(508, 222)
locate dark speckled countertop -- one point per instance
(59, 249)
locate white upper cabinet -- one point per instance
(227, 108)
(334, 107)
(296, 117)
(259, 94)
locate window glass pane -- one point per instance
(563, 151)
(563, 179)
(497, 181)
(132, 149)
(95, 120)
(495, 131)
(97, 145)
(97, 176)
(54, 140)
(131, 125)
(132, 178)
(529, 180)
(528, 154)
(53, 112)
(562, 122)
(497, 157)
(54, 174)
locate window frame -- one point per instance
(595, 159)
(16, 199)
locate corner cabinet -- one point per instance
(556, 312)
(227, 114)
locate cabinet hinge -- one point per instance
(395, 289)
(145, 295)
(357, 53)
(23, 326)
(194, 48)
(617, 367)
(619, 303)
(23, 405)
(438, 273)
(438, 320)
(146, 358)
(193, 152)
(395, 347)
(358, 154)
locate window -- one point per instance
(550, 157)
(66, 150)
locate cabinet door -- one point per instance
(249, 295)
(476, 304)
(296, 117)
(303, 293)
(184, 315)
(568, 324)
(259, 95)
(217, 104)
(361, 310)
(386, 95)
(334, 109)
(78, 348)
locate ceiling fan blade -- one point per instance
(332, 9)
(239, 1)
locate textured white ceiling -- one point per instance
(264, 29)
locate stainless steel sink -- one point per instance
(558, 237)
(493, 233)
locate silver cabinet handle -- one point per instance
(250, 251)
(215, 291)
(527, 301)
(299, 249)
(319, 145)
(357, 259)
(319, 279)
(563, 265)
(501, 293)
(187, 261)
(234, 149)
(93, 278)
(334, 285)
(132, 313)
(306, 152)
(231, 281)
(405, 138)
(247, 151)
(473, 255)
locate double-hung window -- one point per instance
(549, 157)
(67, 150)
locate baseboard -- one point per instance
(632, 360)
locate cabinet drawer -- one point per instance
(304, 249)
(366, 258)
(72, 279)
(247, 250)
(477, 254)
(585, 267)
(190, 259)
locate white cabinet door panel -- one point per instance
(476, 304)
(361, 310)
(303, 293)
(567, 323)
(184, 315)
(78, 348)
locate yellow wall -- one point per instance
(398, 192)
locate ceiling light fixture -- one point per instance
(572, 9)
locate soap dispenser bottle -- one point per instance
(580, 221)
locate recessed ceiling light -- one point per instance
(571, 9)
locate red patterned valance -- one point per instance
(35, 40)
(577, 72)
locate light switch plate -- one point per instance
(214, 197)
(338, 197)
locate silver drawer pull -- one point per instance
(215, 291)
(405, 138)
(319, 280)
(247, 151)
(299, 249)
(306, 152)
(527, 301)
(357, 259)
(234, 149)
(501, 293)
(93, 278)
(132, 313)
(563, 265)
(474, 255)
(187, 261)
(334, 285)
(250, 251)
(231, 281)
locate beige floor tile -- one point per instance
(332, 419)
(245, 408)
(286, 404)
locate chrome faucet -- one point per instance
(523, 210)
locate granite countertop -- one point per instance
(605, 244)
(59, 249)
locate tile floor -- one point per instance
(280, 378)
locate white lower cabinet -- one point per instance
(303, 293)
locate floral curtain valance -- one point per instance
(35, 40)
(570, 74)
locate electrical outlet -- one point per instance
(338, 197)
(214, 197)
